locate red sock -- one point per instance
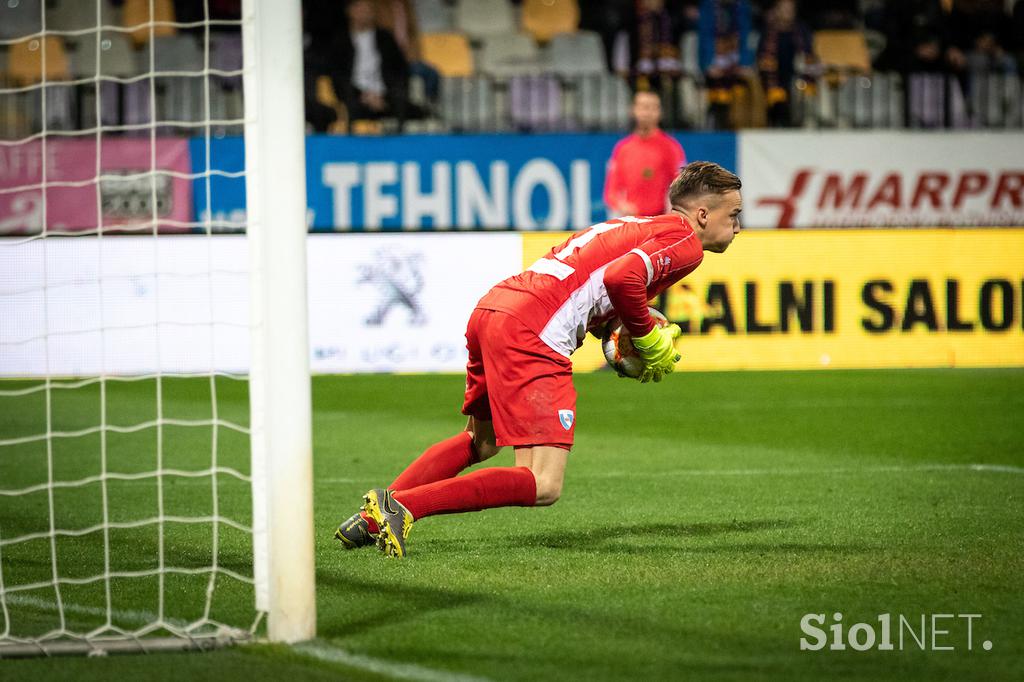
(439, 461)
(484, 489)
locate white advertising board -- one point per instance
(400, 303)
(881, 179)
(137, 305)
(123, 305)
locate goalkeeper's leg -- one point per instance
(535, 481)
(440, 461)
(450, 457)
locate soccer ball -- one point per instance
(618, 347)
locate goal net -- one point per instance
(141, 504)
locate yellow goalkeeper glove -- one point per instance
(657, 352)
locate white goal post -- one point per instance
(115, 311)
(279, 384)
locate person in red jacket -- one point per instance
(519, 390)
(643, 164)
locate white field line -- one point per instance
(825, 471)
(318, 649)
(399, 671)
(141, 617)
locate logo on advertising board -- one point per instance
(397, 276)
(399, 303)
(128, 195)
(135, 173)
(849, 180)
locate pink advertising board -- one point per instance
(75, 188)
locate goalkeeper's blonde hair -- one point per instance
(699, 179)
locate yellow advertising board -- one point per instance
(845, 298)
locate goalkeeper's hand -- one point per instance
(657, 352)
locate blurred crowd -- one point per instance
(361, 54)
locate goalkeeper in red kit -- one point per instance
(519, 390)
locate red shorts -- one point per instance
(517, 381)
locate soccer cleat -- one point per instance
(354, 532)
(393, 520)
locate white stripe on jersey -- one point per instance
(548, 266)
(568, 326)
(647, 261)
(585, 238)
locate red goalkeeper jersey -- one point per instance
(608, 270)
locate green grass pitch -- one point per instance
(701, 519)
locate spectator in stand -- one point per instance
(607, 18)
(323, 23)
(725, 55)
(834, 14)
(364, 63)
(655, 46)
(914, 32)
(979, 37)
(370, 73)
(399, 17)
(643, 164)
(783, 41)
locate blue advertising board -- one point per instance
(441, 182)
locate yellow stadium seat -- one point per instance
(136, 13)
(847, 50)
(25, 61)
(544, 19)
(449, 53)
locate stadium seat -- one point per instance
(137, 109)
(573, 54)
(76, 15)
(20, 19)
(136, 14)
(117, 57)
(842, 50)
(544, 19)
(602, 102)
(481, 18)
(692, 101)
(535, 102)
(226, 100)
(434, 16)
(689, 55)
(26, 67)
(467, 104)
(25, 61)
(180, 98)
(175, 53)
(226, 51)
(449, 53)
(510, 55)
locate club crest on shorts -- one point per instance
(566, 417)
